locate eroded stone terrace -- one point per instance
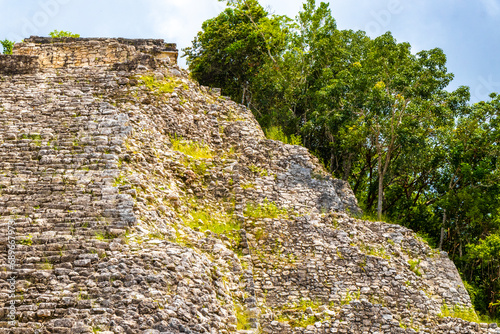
(113, 212)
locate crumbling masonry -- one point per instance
(142, 202)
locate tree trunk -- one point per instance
(380, 187)
(347, 167)
(441, 239)
(332, 163)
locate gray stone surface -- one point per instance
(18, 64)
(106, 207)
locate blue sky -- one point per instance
(468, 31)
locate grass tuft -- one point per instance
(193, 149)
(104, 236)
(26, 241)
(207, 220)
(160, 86)
(242, 318)
(257, 170)
(267, 209)
(414, 266)
(300, 318)
(459, 311)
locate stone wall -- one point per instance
(81, 52)
(18, 64)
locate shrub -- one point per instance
(61, 33)
(414, 266)
(276, 133)
(8, 46)
(428, 239)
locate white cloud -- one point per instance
(179, 21)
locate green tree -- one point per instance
(470, 174)
(232, 47)
(61, 33)
(411, 195)
(8, 46)
(485, 258)
(469, 199)
(399, 106)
